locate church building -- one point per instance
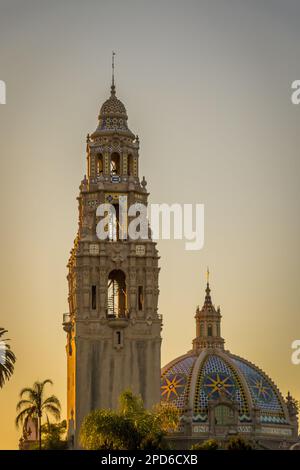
(114, 329)
(219, 394)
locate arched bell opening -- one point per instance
(115, 160)
(117, 294)
(99, 164)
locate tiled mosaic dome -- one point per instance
(191, 381)
(208, 376)
(113, 116)
(113, 107)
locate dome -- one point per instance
(219, 394)
(113, 117)
(113, 107)
(194, 382)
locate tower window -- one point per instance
(118, 337)
(209, 330)
(117, 221)
(202, 329)
(140, 297)
(115, 230)
(94, 297)
(130, 165)
(99, 164)
(115, 164)
(116, 294)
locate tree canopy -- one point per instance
(131, 427)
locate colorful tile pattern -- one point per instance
(263, 393)
(175, 382)
(218, 379)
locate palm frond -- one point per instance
(52, 400)
(30, 391)
(52, 409)
(21, 403)
(2, 331)
(40, 388)
(26, 413)
(7, 359)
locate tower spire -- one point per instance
(208, 323)
(207, 301)
(207, 275)
(113, 88)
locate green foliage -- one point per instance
(131, 427)
(53, 436)
(7, 359)
(210, 444)
(239, 443)
(105, 429)
(33, 404)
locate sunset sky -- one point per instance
(207, 87)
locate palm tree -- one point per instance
(35, 405)
(131, 427)
(7, 359)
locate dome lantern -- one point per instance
(208, 324)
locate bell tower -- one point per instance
(113, 326)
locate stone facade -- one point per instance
(113, 326)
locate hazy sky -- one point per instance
(207, 87)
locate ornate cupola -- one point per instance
(208, 324)
(112, 117)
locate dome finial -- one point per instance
(113, 88)
(207, 275)
(208, 301)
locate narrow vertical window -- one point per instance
(94, 297)
(99, 164)
(118, 334)
(209, 330)
(140, 297)
(130, 165)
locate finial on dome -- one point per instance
(207, 275)
(113, 88)
(208, 301)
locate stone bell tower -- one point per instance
(113, 327)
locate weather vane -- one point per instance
(113, 69)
